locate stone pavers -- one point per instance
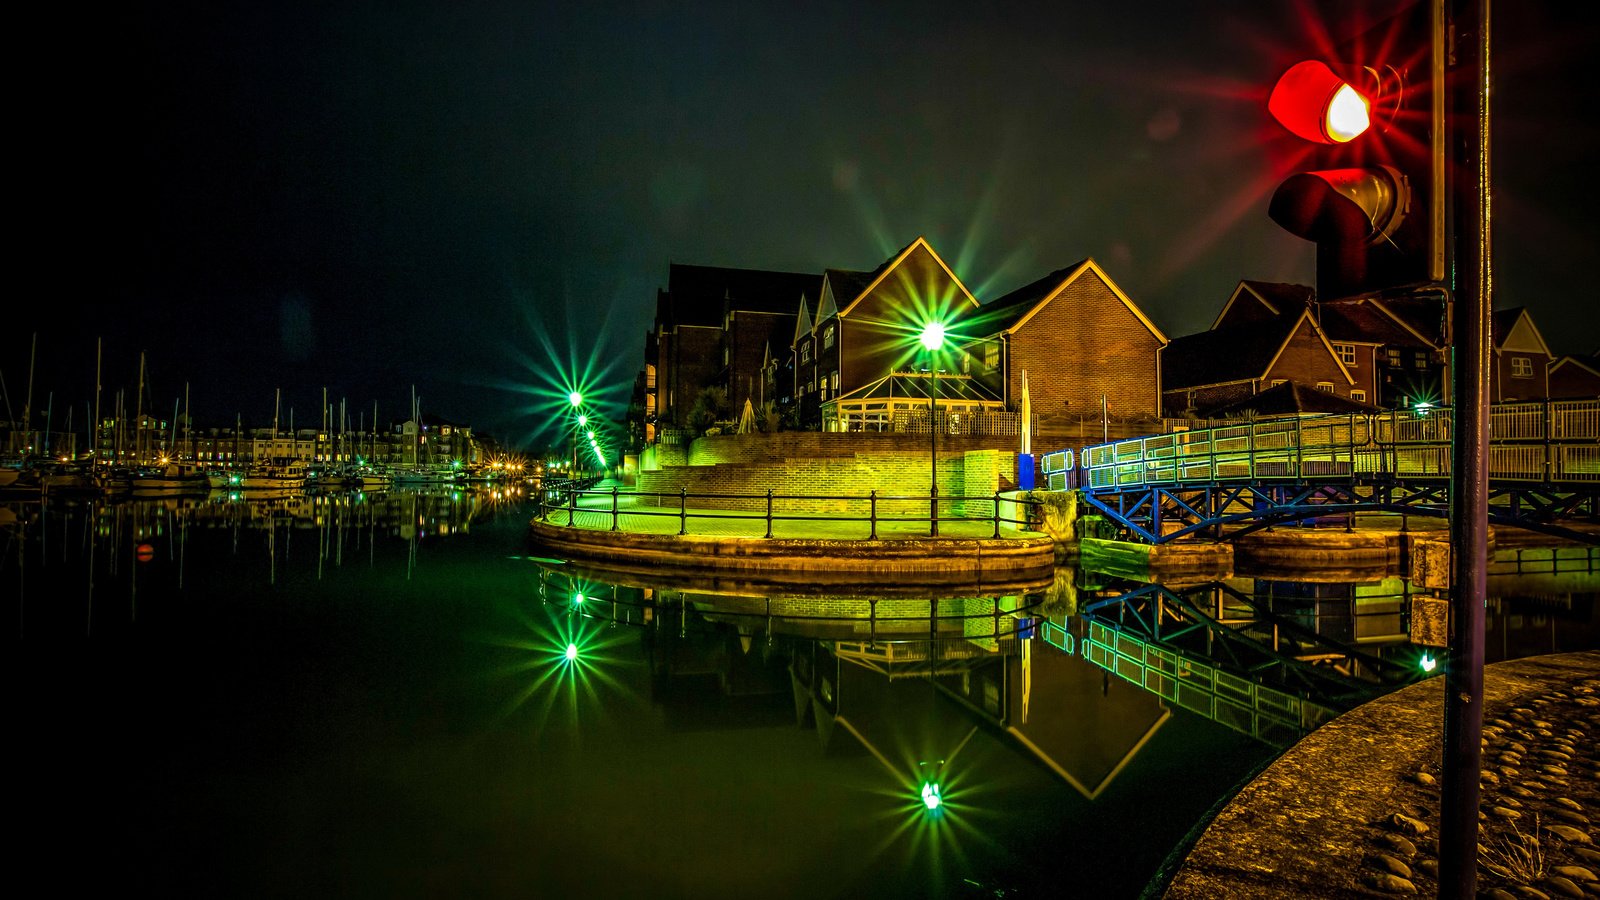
(1352, 809)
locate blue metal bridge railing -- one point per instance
(1544, 466)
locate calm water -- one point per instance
(372, 697)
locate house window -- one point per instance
(1358, 395)
(805, 352)
(1521, 367)
(1421, 360)
(827, 337)
(991, 355)
(1347, 353)
(1325, 386)
(834, 379)
(1394, 357)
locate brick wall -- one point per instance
(1305, 360)
(1084, 343)
(894, 472)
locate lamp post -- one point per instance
(576, 399)
(583, 423)
(932, 338)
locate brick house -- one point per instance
(712, 328)
(1521, 365)
(1253, 301)
(1080, 339)
(1575, 377)
(1393, 349)
(1213, 369)
(867, 324)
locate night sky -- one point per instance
(481, 199)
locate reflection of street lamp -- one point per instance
(932, 338)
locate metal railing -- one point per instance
(1555, 442)
(747, 513)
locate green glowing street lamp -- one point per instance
(932, 339)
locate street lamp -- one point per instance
(576, 399)
(932, 339)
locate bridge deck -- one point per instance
(1544, 464)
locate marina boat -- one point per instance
(172, 478)
(423, 475)
(368, 478)
(287, 477)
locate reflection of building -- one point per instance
(1085, 728)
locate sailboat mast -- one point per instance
(138, 416)
(27, 404)
(94, 430)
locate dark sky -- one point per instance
(480, 199)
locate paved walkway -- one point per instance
(1352, 810)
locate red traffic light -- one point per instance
(1319, 105)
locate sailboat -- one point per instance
(419, 472)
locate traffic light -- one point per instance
(1371, 124)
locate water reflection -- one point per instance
(109, 549)
(389, 692)
(1047, 672)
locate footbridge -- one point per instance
(1544, 471)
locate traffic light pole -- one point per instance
(1468, 23)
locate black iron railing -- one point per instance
(566, 503)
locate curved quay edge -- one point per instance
(1303, 826)
(926, 560)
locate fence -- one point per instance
(763, 510)
(1545, 443)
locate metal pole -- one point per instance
(933, 430)
(1469, 482)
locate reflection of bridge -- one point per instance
(1229, 657)
(1544, 469)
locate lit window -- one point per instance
(1358, 395)
(834, 380)
(1347, 353)
(1325, 386)
(827, 337)
(1394, 356)
(805, 352)
(1521, 367)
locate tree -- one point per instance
(710, 406)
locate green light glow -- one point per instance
(930, 796)
(583, 420)
(932, 336)
(1427, 663)
(572, 652)
(575, 398)
(578, 599)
